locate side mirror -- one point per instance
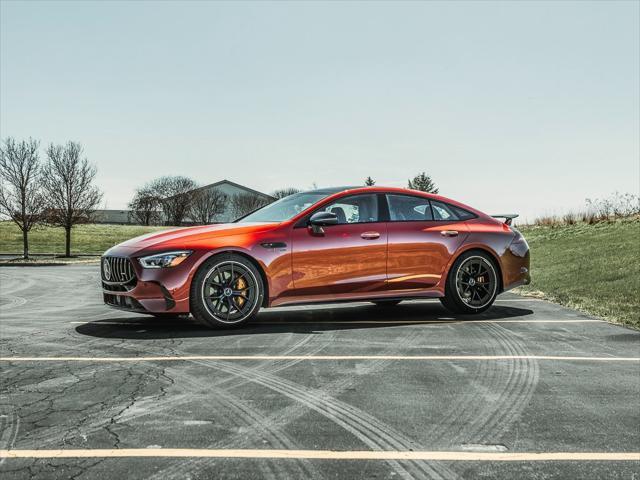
(322, 219)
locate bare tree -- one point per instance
(145, 207)
(21, 198)
(244, 203)
(68, 184)
(175, 194)
(206, 203)
(284, 192)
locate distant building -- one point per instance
(120, 217)
(231, 189)
(227, 187)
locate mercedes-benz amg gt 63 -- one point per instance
(382, 245)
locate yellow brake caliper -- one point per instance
(241, 285)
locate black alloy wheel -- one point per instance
(226, 291)
(472, 283)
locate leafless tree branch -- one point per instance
(68, 183)
(244, 203)
(146, 207)
(284, 192)
(175, 194)
(21, 197)
(206, 204)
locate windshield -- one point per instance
(285, 208)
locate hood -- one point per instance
(188, 237)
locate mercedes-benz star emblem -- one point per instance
(106, 269)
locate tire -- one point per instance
(472, 284)
(226, 291)
(385, 303)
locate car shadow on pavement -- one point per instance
(295, 320)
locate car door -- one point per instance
(345, 259)
(423, 235)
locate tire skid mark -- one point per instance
(151, 402)
(12, 301)
(517, 382)
(53, 434)
(240, 415)
(368, 429)
(500, 381)
(246, 416)
(14, 285)
(42, 302)
(310, 471)
(520, 397)
(464, 408)
(513, 385)
(286, 415)
(9, 427)
(461, 409)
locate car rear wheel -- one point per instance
(472, 284)
(386, 303)
(226, 292)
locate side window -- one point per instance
(404, 208)
(442, 211)
(355, 209)
(463, 214)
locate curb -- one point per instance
(35, 264)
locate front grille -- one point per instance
(120, 301)
(117, 273)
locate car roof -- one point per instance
(374, 189)
(332, 192)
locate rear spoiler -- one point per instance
(507, 216)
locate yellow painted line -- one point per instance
(318, 358)
(326, 454)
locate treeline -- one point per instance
(421, 182)
(173, 200)
(56, 187)
(57, 190)
(617, 205)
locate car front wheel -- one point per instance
(472, 284)
(226, 292)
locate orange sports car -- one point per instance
(376, 244)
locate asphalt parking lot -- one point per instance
(528, 389)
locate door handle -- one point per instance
(370, 235)
(449, 233)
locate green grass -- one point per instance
(85, 239)
(593, 268)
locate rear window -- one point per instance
(445, 212)
(463, 214)
(409, 208)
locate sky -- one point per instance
(525, 107)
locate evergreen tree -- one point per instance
(424, 183)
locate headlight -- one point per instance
(164, 260)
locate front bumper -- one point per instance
(145, 297)
(159, 290)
